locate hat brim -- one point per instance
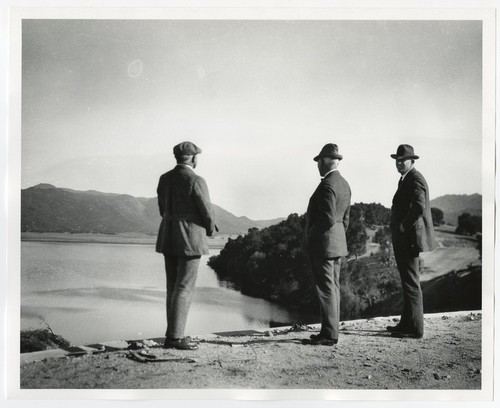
(333, 156)
(396, 157)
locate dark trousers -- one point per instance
(412, 317)
(326, 274)
(181, 272)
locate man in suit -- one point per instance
(412, 233)
(187, 218)
(324, 241)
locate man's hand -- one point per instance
(401, 228)
(210, 232)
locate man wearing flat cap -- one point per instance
(412, 233)
(324, 241)
(187, 219)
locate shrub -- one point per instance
(270, 264)
(469, 224)
(41, 339)
(437, 216)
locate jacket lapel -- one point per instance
(407, 177)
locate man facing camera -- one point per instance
(324, 241)
(187, 218)
(412, 233)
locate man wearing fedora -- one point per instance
(412, 233)
(187, 218)
(324, 241)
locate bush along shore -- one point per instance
(270, 264)
(41, 339)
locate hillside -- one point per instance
(46, 208)
(230, 224)
(453, 205)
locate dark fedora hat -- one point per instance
(186, 148)
(404, 152)
(329, 150)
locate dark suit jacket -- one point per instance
(187, 214)
(327, 218)
(411, 208)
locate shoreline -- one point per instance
(367, 357)
(216, 242)
(121, 344)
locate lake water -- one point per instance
(100, 292)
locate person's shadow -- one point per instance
(365, 332)
(250, 342)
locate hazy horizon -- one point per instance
(227, 209)
(104, 102)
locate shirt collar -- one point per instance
(331, 171)
(186, 165)
(404, 175)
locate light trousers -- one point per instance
(181, 273)
(326, 274)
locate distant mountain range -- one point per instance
(46, 208)
(454, 205)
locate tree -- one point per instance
(469, 224)
(437, 216)
(356, 233)
(383, 236)
(375, 214)
(270, 264)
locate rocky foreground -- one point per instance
(447, 358)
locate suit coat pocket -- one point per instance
(329, 243)
(416, 235)
(316, 241)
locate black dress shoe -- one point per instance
(180, 344)
(320, 341)
(402, 335)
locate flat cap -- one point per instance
(186, 148)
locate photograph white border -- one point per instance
(12, 325)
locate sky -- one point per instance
(105, 101)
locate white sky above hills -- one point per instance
(104, 102)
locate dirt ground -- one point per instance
(448, 357)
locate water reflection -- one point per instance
(99, 292)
